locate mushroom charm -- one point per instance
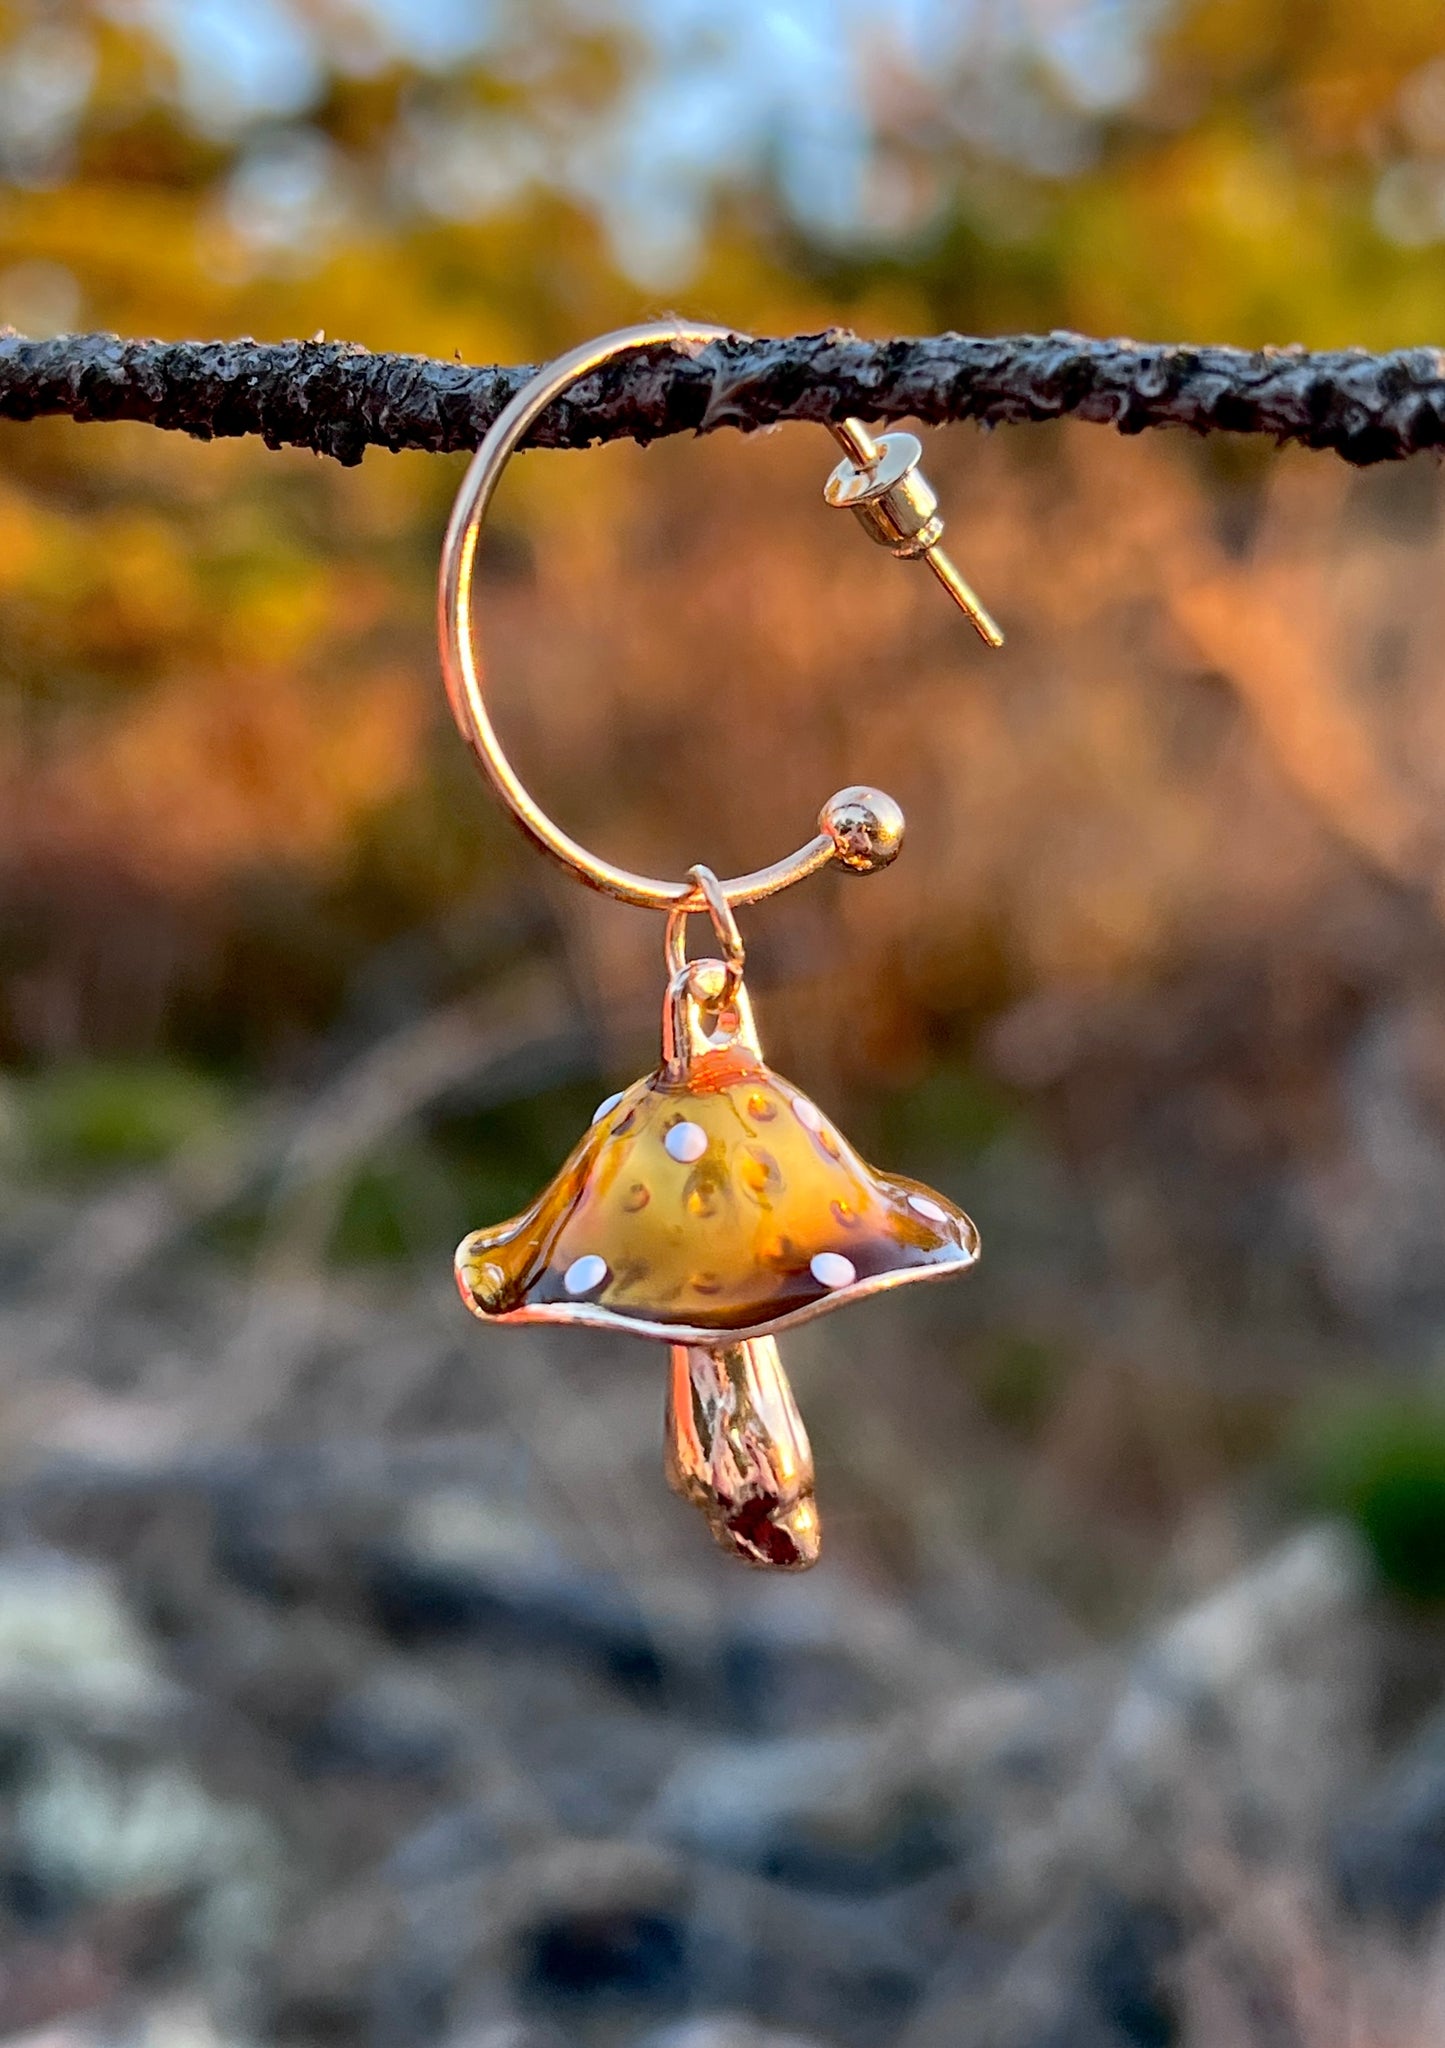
(711, 1205)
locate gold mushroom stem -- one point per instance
(737, 1449)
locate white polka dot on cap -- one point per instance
(585, 1275)
(685, 1143)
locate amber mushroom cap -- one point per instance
(719, 1205)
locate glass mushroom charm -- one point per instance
(711, 1205)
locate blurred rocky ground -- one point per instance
(372, 1745)
(361, 1683)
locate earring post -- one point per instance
(964, 596)
(880, 482)
(856, 442)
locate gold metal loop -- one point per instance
(462, 668)
(702, 1014)
(714, 901)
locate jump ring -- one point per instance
(724, 924)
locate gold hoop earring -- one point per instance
(711, 1205)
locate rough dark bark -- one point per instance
(339, 399)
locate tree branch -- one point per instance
(339, 399)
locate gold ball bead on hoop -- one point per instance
(866, 828)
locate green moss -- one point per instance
(1380, 1460)
(1019, 1383)
(503, 1155)
(467, 1170)
(99, 1115)
(383, 1213)
(955, 1113)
